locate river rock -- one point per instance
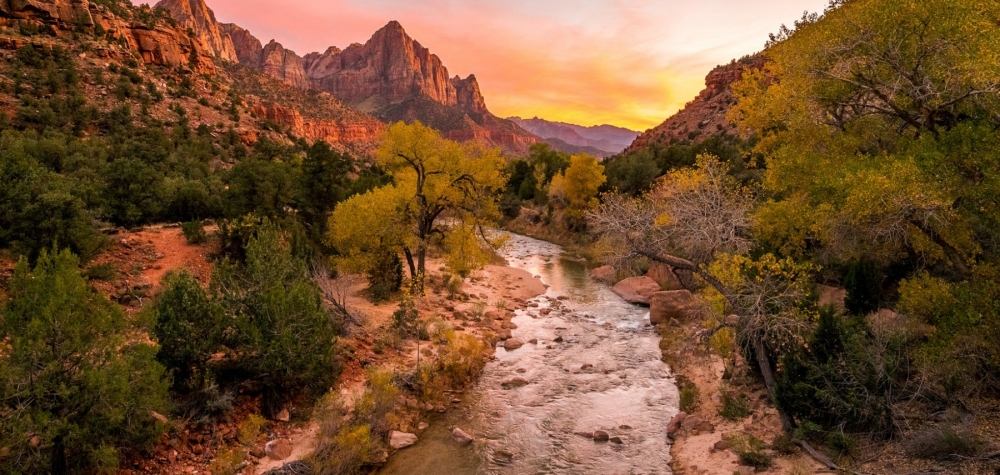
(422, 426)
(601, 436)
(664, 275)
(283, 416)
(545, 311)
(401, 440)
(721, 445)
(603, 274)
(459, 435)
(672, 304)
(676, 423)
(514, 383)
(637, 290)
(512, 344)
(533, 341)
(616, 440)
(278, 449)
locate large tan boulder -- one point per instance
(671, 304)
(637, 290)
(603, 274)
(664, 276)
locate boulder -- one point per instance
(676, 423)
(601, 436)
(672, 304)
(278, 449)
(514, 383)
(664, 275)
(283, 416)
(603, 274)
(637, 290)
(458, 435)
(401, 440)
(512, 344)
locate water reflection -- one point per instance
(596, 367)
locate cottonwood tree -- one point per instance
(576, 188)
(697, 221)
(877, 120)
(437, 182)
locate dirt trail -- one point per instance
(173, 253)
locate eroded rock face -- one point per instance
(284, 65)
(196, 16)
(168, 47)
(391, 65)
(247, 47)
(705, 116)
(351, 130)
(61, 13)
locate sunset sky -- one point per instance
(630, 63)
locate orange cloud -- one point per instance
(625, 62)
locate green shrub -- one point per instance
(249, 429)
(734, 407)
(385, 277)
(227, 462)
(283, 337)
(750, 450)
(194, 232)
(189, 327)
(689, 395)
(93, 389)
(104, 272)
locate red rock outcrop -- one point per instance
(248, 48)
(160, 44)
(196, 16)
(60, 13)
(350, 131)
(168, 47)
(705, 116)
(284, 65)
(391, 65)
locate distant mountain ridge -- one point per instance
(607, 140)
(391, 76)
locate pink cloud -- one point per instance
(625, 62)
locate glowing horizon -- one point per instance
(630, 63)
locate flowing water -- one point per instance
(625, 390)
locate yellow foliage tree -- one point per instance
(441, 187)
(576, 188)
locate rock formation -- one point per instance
(247, 47)
(283, 64)
(705, 116)
(159, 44)
(196, 16)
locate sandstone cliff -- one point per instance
(157, 43)
(705, 116)
(247, 47)
(392, 77)
(196, 16)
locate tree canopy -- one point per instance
(440, 187)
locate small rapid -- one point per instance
(596, 366)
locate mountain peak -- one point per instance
(196, 15)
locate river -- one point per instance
(596, 366)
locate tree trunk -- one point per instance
(760, 353)
(409, 261)
(58, 456)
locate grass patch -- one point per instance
(689, 395)
(734, 407)
(750, 450)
